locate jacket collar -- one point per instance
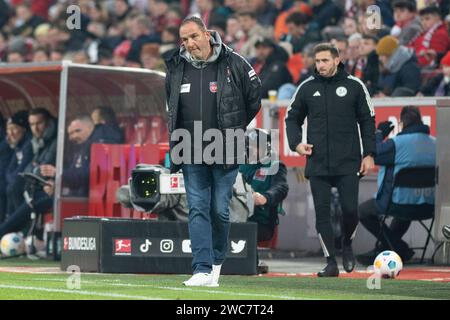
(340, 74)
(417, 128)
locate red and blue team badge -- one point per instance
(213, 86)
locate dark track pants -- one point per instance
(348, 187)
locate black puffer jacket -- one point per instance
(334, 107)
(238, 88)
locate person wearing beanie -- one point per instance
(400, 73)
(18, 137)
(439, 85)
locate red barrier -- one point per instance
(391, 113)
(110, 168)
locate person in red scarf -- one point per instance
(434, 41)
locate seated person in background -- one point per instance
(75, 178)
(270, 65)
(18, 137)
(268, 185)
(41, 202)
(106, 125)
(434, 40)
(439, 85)
(400, 73)
(5, 156)
(42, 148)
(412, 147)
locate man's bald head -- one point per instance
(80, 129)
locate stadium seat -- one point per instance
(419, 177)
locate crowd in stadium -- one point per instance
(398, 49)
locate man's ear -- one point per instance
(208, 35)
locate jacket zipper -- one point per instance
(328, 129)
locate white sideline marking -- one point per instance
(262, 295)
(80, 292)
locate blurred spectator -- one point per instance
(120, 53)
(25, 21)
(104, 57)
(106, 129)
(122, 11)
(253, 31)
(4, 13)
(407, 24)
(169, 40)
(40, 55)
(400, 75)
(233, 32)
(158, 10)
(369, 64)
(80, 57)
(98, 13)
(56, 54)
(265, 11)
(353, 54)
(325, 13)
(439, 85)
(270, 65)
(296, 24)
(280, 23)
(342, 45)
(38, 7)
(287, 90)
(41, 34)
(434, 41)
(151, 58)
(209, 11)
(141, 32)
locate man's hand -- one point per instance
(47, 170)
(304, 149)
(385, 127)
(367, 164)
(259, 199)
(50, 189)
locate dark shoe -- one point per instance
(262, 268)
(367, 258)
(331, 270)
(348, 259)
(406, 255)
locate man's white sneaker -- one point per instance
(215, 275)
(199, 279)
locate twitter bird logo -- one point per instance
(238, 247)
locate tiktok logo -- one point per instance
(145, 246)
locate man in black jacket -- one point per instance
(208, 86)
(335, 103)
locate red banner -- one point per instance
(391, 113)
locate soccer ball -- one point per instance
(388, 264)
(12, 244)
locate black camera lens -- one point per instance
(146, 185)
